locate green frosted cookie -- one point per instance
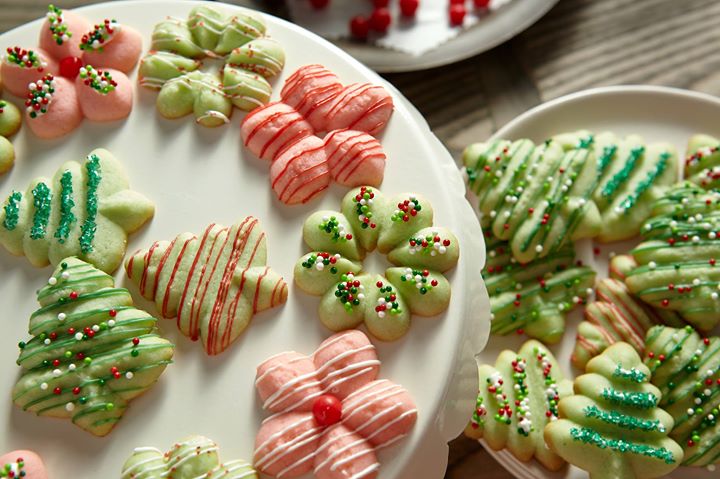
(198, 93)
(246, 89)
(196, 457)
(686, 368)
(263, 56)
(677, 267)
(612, 427)
(173, 35)
(213, 31)
(86, 210)
(401, 227)
(534, 298)
(10, 119)
(517, 398)
(702, 162)
(91, 352)
(158, 67)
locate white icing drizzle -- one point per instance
(213, 114)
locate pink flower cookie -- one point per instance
(331, 411)
(22, 464)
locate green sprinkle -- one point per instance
(622, 420)
(89, 227)
(645, 184)
(12, 210)
(607, 155)
(588, 436)
(626, 398)
(41, 200)
(67, 218)
(631, 374)
(621, 176)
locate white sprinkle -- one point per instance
(652, 265)
(61, 317)
(538, 248)
(52, 281)
(96, 328)
(78, 336)
(65, 275)
(47, 341)
(56, 372)
(69, 406)
(129, 375)
(696, 281)
(714, 295)
(111, 323)
(690, 411)
(43, 386)
(698, 401)
(72, 366)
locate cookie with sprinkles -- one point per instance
(61, 32)
(517, 398)
(677, 259)
(616, 315)
(403, 228)
(111, 45)
(702, 162)
(91, 350)
(613, 426)
(86, 210)
(21, 67)
(193, 457)
(534, 298)
(52, 108)
(104, 95)
(22, 464)
(212, 284)
(686, 368)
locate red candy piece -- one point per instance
(359, 27)
(457, 14)
(380, 20)
(70, 67)
(319, 4)
(408, 8)
(327, 410)
(481, 3)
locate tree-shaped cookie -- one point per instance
(91, 352)
(173, 62)
(534, 298)
(702, 163)
(616, 315)
(612, 426)
(195, 457)
(213, 284)
(517, 398)
(87, 210)
(677, 261)
(686, 368)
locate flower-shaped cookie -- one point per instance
(331, 413)
(22, 464)
(313, 101)
(401, 227)
(173, 65)
(77, 72)
(10, 121)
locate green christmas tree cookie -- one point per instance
(196, 457)
(686, 368)
(401, 227)
(677, 261)
(91, 352)
(612, 426)
(178, 47)
(702, 163)
(534, 298)
(517, 398)
(86, 210)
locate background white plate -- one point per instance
(197, 176)
(657, 114)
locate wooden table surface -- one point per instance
(579, 44)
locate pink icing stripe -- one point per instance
(292, 160)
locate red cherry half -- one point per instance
(327, 410)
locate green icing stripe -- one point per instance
(631, 374)
(41, 200)
(623, 420)
(67, 218)
(646, 183)
(628, 398)
(588, 436)
(607, 155)
(621, 176)
(12, 210)
(91, 207)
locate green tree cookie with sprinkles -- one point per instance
(535, 297)
(172, 65)
(517, 398)
(677, 261)
(87, 210)
(686, 368)
(702, 163)
(401, 227)
(91, 351)
(613, 426)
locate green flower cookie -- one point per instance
(173, 63)
(686, 368)
(10, 121)
(573, 186)
(612, 427)
(534, 297)
(677, 261)
(193, 458)
(91, 351)
(702, 163)
(517, 398)
(400, 227)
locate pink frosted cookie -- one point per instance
(311, 91)
(22, 464)
(21, 67)
(355, 158)
(104, 95)
(300, 172)
(111, 45)
(52, 108)
(61, 32)
(360, 106)
(331, 411)
(271, 129)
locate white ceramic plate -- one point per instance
(656, 113)
(197, 176)
(499, 27)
